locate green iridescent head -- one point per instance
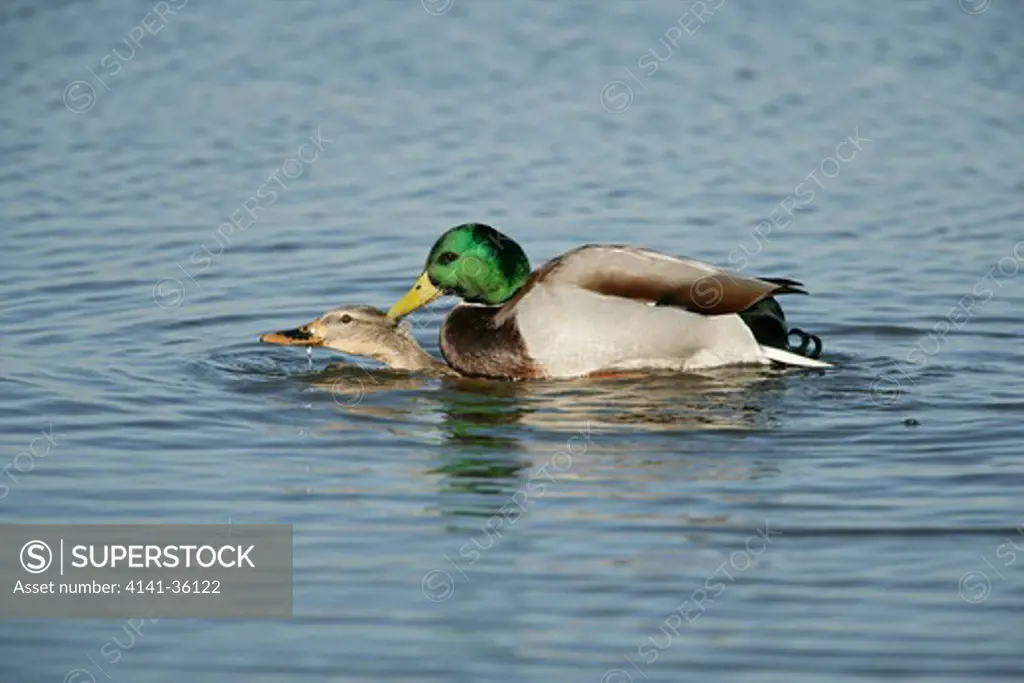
(472, 261)
(477, 263)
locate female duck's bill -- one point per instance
(298, 336)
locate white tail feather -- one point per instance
(789, 358)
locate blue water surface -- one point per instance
(180, 177)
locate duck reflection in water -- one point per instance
(482, 421)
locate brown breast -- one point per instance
(476, 345)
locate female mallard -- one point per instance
(593, 310)
(363, 331)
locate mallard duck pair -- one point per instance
(595, 310)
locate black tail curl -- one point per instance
(805, 342)
(767, 322)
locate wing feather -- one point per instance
(656, 278)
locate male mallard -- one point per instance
(596, 309)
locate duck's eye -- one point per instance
(446, 258)
(346, 319)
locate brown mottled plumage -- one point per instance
(363, 331)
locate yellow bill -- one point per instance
(421, 294)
